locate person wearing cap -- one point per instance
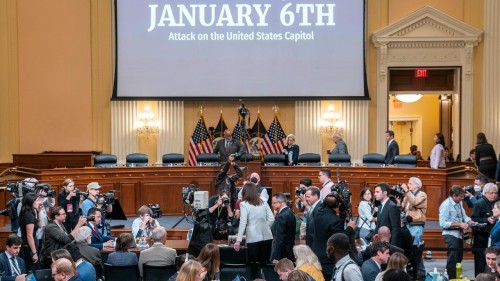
(91, 201)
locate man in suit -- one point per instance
(388, 212)
(158, 254)
(98, 239)
(228, 146)
(384, 235)
(93, 255)
(12, 267)
(312, 198)
(392, 147)
(372, 266)
(283, 229)
(63, 270)
(340, 145)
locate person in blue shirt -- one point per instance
(93, 190)
(86, 271)
(495, 232)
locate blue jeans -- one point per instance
(417, 231)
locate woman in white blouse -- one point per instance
(256, 219)
(437, 154)
(366, 221)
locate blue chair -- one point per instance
(172, 159)
(339, 159)
(105, 161)
(309, 159)
(374, 160)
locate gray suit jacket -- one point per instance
(369, 270)
(340, 147)
(90, 254)
(235, 146)
(157, 255)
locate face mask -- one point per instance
(477, 188)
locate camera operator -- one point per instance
(227, 183)
(414, 210)
(301, 203)
(91, 201)
(144, 225)
(482, 213)
(70, 201)
(220, 212)
(479, 183)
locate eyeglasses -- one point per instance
(62, 214)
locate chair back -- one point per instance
(233, 263)
(246, 157)
(374, 160)
(173, 159)
(120, 273)
(105, 161)
(158, 273)
(339, 159)
(208, 159)
(405, 161)
(137, 160)
(274, 160)
(309, 159)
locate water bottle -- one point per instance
(459, 270)
(435, 274)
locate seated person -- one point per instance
(219, 208)
(179, 261)
(373, 266)
(99, 240)
(86, 271)
(12, 267)
(122, 256)
(158, 254)
(144, 225)
(491, 254)
(83, 237)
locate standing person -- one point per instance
(486, 157)
(366, 220)
(227, 183)
(325, 178)
(414, 207)
(144, 225)
(340, 145)
(70, 201)
(392, 148)
(283, 229)
(29, 224)
(388, 212)
(12, 267)
(91, 201)
(220, 213)
(437, 154)
(495, 232)
(291, 151)
(454, 221)
(312, 199)
(256, 219)
(345, 269)
(228, 146)
(482, 213)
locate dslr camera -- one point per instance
(225, 201)
(90, 218)
(300, 191)
(156, 211)
(105, 199)
(469, 188)
(46, 188)
(397, 192)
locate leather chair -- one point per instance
(208, 159)
(246, 157)
(120, 273)
(233, 263)
(405, 161)
(309, 159)
(274, 160)
(339, 159)
(105, 161)
(373, 160)
(137, 160)
(158, 273)
(172, 159)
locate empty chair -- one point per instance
(374, 160)
(309, 159)
(158, 273)
(274, 160)
(208, 159)
(105, 161)
(339, 159)
(246, 157)
(120, 273)
(233, 263)
(173, 159)
(405, 161)
(137, 160)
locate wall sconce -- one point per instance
(147, 126)
(331, 122)
(408, 98)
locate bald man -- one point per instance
(228, 146)
(384, 235)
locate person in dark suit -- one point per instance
(291, 151)
(392, 147)
(283, 229)
(12, 267)
(93, 255)
(388, 212)
(63, 270)
(372, 266)
(312, 199)
(98, 239)
(228, 146)
(326, 223)
(340, 145)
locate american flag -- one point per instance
(274, 140)
(237, 134)
(200, 142)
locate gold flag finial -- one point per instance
(276, 109)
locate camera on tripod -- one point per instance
(192, 196)
(105, 199)
(155, 210)
(344, 198)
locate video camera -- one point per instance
(478, 226)
(19, 189)
(396, 192)
(469, 188)
(105, 199)
(156, 211)
(81, 193)
(344, 198)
